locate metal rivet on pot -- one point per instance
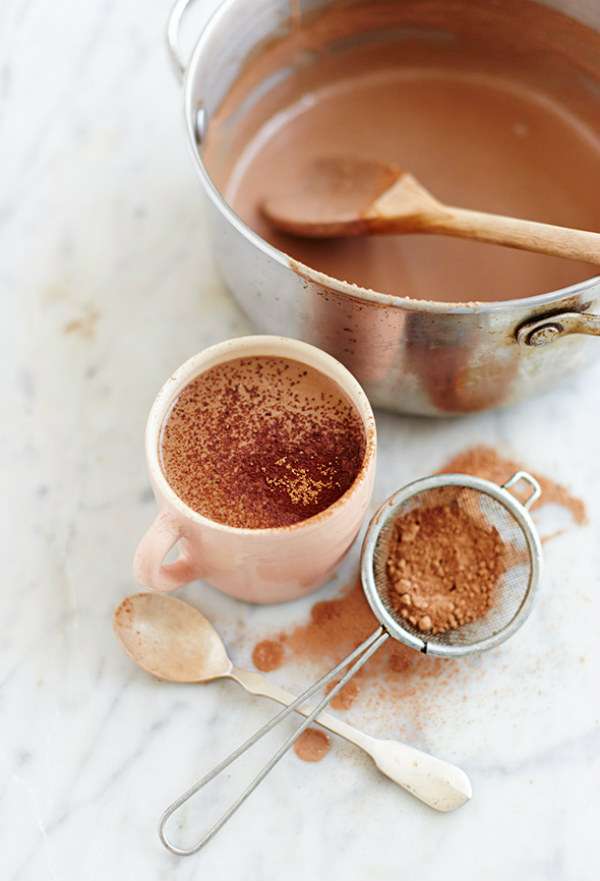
(544, 335)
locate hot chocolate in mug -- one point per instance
(258, 565)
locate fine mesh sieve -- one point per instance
(492, 507)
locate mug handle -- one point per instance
(148, 566)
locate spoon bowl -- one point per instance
(170, 639)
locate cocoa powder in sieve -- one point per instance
(443, 565)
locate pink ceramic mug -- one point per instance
(258, 565)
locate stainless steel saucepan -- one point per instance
(410, 356)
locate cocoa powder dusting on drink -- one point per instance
(262, 442)
(312, 745)
(443, 564)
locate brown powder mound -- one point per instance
(443, 566)
(267, 655)
(312, 745)
(486, 462)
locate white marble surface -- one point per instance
(107, 284)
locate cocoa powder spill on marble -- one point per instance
(312, 745)
(486, 462)
(267, 655)
(338, 625)
(396, 673)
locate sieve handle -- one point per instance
(525, 477)
(357, 658)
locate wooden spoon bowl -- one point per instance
(342, 196)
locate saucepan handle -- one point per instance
(173, 36)
(545, 329)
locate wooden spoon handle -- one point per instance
(439, 784)
(558, 241)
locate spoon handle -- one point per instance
(439, 784)
(528, 235)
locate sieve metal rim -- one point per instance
(388, 509)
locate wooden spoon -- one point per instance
(172, 640)
(354, 197)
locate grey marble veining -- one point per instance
(107, 284)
